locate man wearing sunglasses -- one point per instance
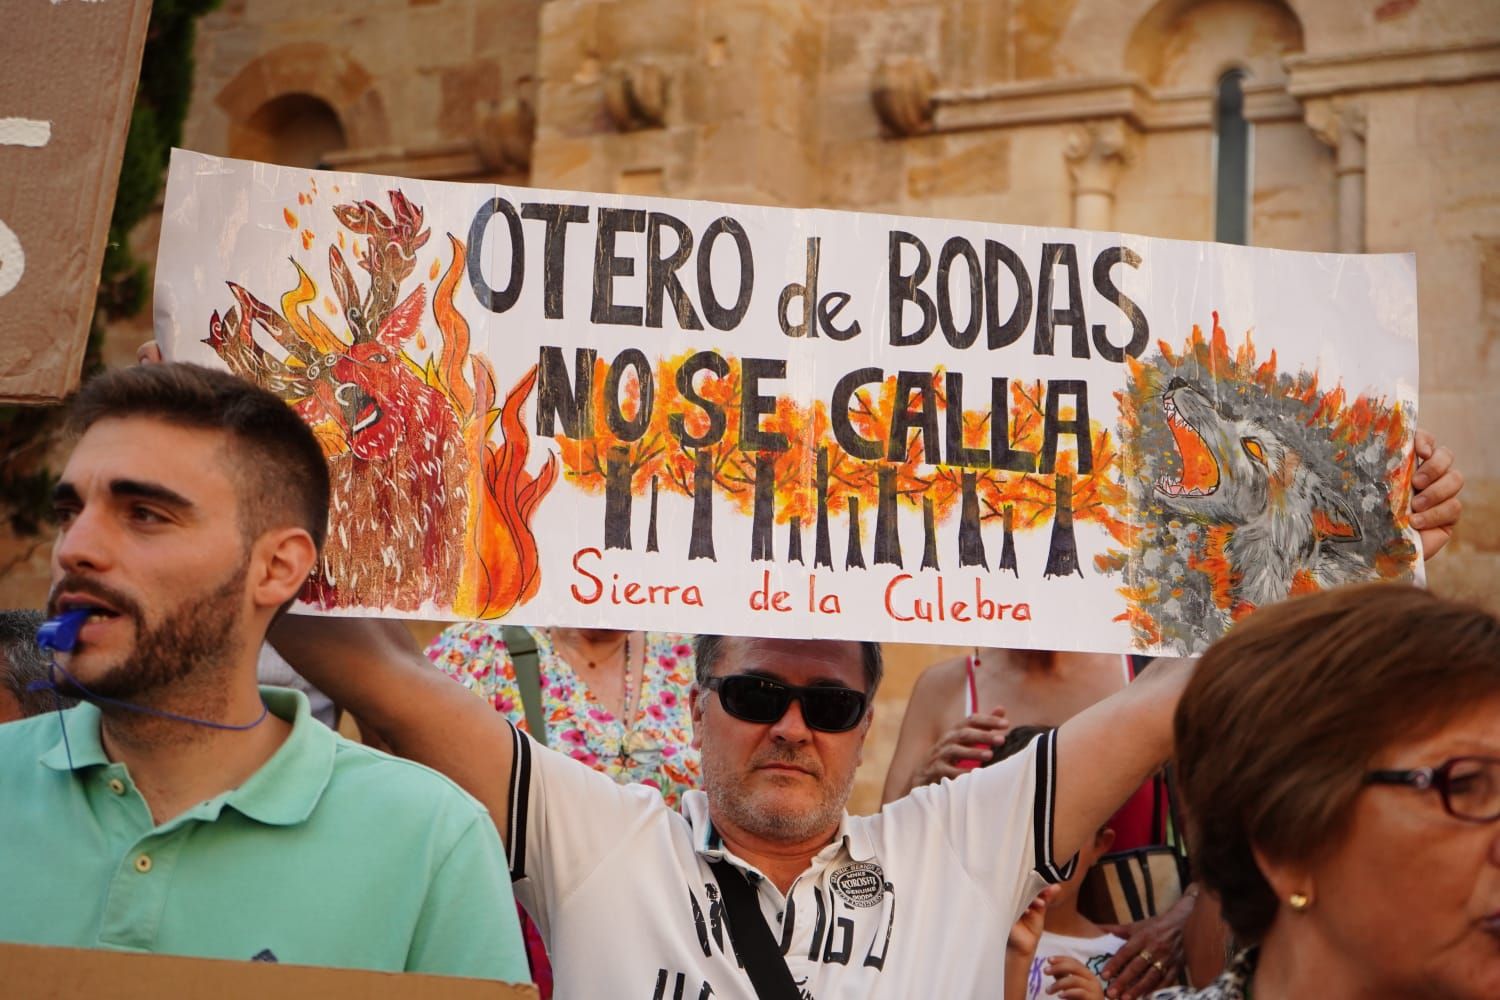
(636, 899)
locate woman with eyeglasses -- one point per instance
(1339, 760)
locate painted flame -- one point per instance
(502, 567)
(506, 571)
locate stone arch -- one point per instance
(1190, 44)
(294, 130)
(312, 70)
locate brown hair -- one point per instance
(277, 464)
(23, 663)
(1286, 712)
(1018, 738)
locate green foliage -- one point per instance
(167, 83)
(140, 170)
(161, 104)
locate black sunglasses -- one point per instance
(752, 698)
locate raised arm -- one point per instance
(921, 727)
(373, 668)
(935, 741)
(1106, 751)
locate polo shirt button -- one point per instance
(143, 863)
(117, 786)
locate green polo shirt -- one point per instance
(330, 854)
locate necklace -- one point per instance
(632, 745)
(627, 705)
(570, 647)
(971, 664)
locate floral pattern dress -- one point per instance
(1233, 984)
(653, 748)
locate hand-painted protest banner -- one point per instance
(600, 410)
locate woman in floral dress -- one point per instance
(617, 701)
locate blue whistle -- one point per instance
(60, 634)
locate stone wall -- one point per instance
(1376, 126)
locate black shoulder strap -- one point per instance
(758, 951)
(1179, 832)
(521, 645)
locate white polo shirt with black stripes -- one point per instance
(915, 901)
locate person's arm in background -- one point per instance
(920, 728)
(1133, 972)
(1020, 946)
(927, 750)
(1106, 751)
(373, 668)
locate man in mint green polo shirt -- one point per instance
(182, 809)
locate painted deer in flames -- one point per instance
(394, 445)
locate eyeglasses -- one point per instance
(762, 700)
(1470, 786)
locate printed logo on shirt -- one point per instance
(861, 884)
(854, 935)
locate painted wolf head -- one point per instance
(1286, 519)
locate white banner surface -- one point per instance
(600, 410)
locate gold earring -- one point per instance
(1299, 901)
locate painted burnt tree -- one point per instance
(681, 427)
(1045, 482)
(613, 440)
(700, 426)
(875, 460)
(753, 450)
(701, 440)
(967, 446)
(1034, 459)
(781, 469)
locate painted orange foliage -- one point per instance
(872, 411)
(872, 416)
(1098, 497)
(586, 460)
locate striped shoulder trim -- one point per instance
(520, 793)
(1043, 802)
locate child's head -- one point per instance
(1090, 853)
(1016, 740)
